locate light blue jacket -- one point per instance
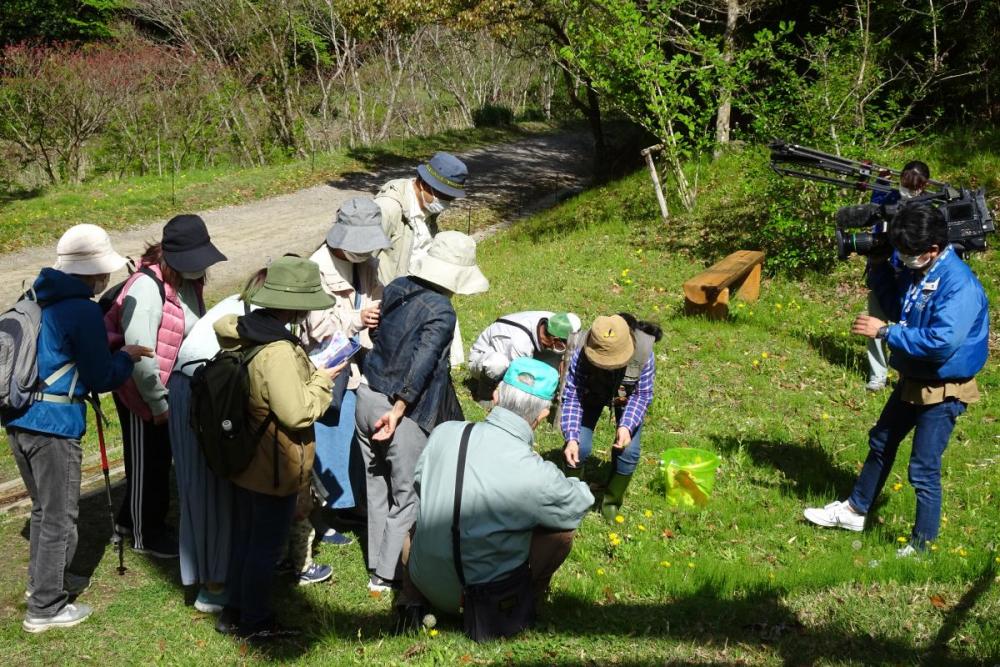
(509, 490)
(947, 332)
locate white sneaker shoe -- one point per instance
(837, 514)
(68, 616)
(909, 551)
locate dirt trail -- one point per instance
(512, 179)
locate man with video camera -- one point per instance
(938, 346)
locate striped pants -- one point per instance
(147, 476)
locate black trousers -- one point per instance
(147, 476)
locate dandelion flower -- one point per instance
(902, 540)
(600, 572)
(666, 563)
(934, 547)
(433, 632)
(777, 306)
(619, 519)
(764, 355)
(647, 513)
(691, 565)
(824, 416)
(642, 527)
(997, 559)
(756, 363)
(624, 273)
(963, 553)
(897, 486)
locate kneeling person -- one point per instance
(517, 510)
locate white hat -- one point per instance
(85, 250)
(451, 263)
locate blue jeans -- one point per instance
(624, 460)
(338, 459)
(50, 468)
(931, 426)
(260, 530)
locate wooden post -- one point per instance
(648, 154)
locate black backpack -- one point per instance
(220, 411)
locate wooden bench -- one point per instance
(708, 292)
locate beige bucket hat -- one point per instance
(451, 263)
(85, 250)
(609, 344)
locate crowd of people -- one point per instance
(457, 517)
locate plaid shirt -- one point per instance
(632, 415)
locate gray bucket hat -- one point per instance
(446, 174)
(358, 227)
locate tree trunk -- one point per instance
(592, 110)
(724, 113)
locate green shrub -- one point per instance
(492, 115)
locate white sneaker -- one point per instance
(68, 616)
(837, 514)
(377, 585)
(907, 552)
(875, 384)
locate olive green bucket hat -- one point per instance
(292, 283)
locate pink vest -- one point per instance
(169, 337)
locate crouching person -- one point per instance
(515, 514)
(287, 395)
(72, 360)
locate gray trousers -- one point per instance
(50, 468)
(878, 367)
(389, 468)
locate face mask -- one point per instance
(906, 193)
(913, 261)
(356, 257)
(436, 207)
(192, 275)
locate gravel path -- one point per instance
(512, 179)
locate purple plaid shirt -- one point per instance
(635, 409)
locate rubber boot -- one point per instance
(612, 503)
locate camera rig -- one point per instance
(969, 218)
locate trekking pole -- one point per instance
(116, 539)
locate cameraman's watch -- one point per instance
(882, 332)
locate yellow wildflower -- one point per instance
(902, 540)
(624, 273)
(691, 565)
(642, 527)
(647, 513)
(433, 632)
(934, 547)
(600, 572)
(666, 563)
(897, 486)
(764, 355)
(756, 363)
(619, 519)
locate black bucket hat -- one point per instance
(187, 246)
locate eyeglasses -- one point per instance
(558, 345)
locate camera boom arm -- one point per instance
(815, 165)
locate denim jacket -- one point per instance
(410, 358)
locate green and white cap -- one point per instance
(562, 325)
(532, 377)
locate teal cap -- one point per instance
(532, 377)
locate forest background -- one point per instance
(115, 89)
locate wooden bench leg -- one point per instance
(713, 309)
(750, 289)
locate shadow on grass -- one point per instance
(755, 619)
(9, 196)
(807, 471)
(847, 352)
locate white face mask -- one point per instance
(436, 207)
(356, 257)
(192, 275)
(913, 261)
(906, 193)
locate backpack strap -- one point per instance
(55, 377)
(145, 270)
(456, 538)
(518, 325)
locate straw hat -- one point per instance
(451, 263)
(85, 250)
(609, 344)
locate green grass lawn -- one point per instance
(777, 391)
(32, 219)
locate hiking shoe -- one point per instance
(208, 602)
(875, 384)
(68, 616)
(159, 547)
(331, 536)
(228, 622)
(837, 514)
(377, 585)
(315, 574)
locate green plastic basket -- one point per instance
(688, 475)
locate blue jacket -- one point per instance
(947, 331)
(72, 331)
(410, 359)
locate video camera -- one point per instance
(969, 219)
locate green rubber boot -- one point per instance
(611, 505)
